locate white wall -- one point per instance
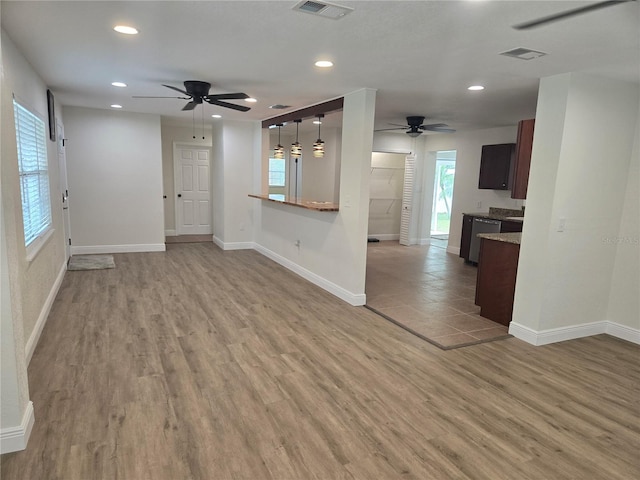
(114, 164)
(32, 284)
(623, 306)
(332, 251)
(580, 169)
(170, 135)
(236, 146)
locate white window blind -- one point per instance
(34, 172)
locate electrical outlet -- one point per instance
(479, 205)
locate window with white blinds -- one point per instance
(34, 172)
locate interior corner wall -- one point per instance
(176, 134)
(114, 170)
(623, 307)
(585, 129)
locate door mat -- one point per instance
(91, 262)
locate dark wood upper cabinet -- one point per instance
(523, 158)
(496, 166)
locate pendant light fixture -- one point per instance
(278, 151)
(296, 148)
(318, 147)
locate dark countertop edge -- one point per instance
(493, 216)
(507, 237)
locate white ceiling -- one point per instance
(420, 55)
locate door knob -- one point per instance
(179, 195)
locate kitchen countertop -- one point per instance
(500, 214)
(507, 237)
(297, 202)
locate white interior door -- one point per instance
(64, 190)
(192, 170)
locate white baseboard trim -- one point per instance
(454, 250)
(14, 439)
(135, 248)
(383, 237)
(351, 298)
(170, 233)
(233, 245)
(44, 314)
(622, 331)
(554, 335)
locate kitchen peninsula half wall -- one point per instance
(297, 202)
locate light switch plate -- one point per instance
(561, 224)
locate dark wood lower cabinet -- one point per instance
(465, 240)
(496, 280)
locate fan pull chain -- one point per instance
(193, 114)
(202, 110)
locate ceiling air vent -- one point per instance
(323, 9)
(523, 53)
(279, 106)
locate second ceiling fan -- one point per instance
(197, 92)
(416, 127)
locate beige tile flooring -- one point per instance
(428, 292)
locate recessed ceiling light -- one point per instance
(476, 87)
(119, 84)
(115, 105)
(126, 30)
(216, 116)
(250, 100)
(324, 63)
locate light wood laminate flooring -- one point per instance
(428, 292)
(196, 363)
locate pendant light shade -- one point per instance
(278, 150)
(296, 148)
(318, 147)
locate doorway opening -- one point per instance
(442, 197)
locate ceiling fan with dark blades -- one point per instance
(415, 127)
(569, 13)
(197, 92)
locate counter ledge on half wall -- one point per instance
(297, 202)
